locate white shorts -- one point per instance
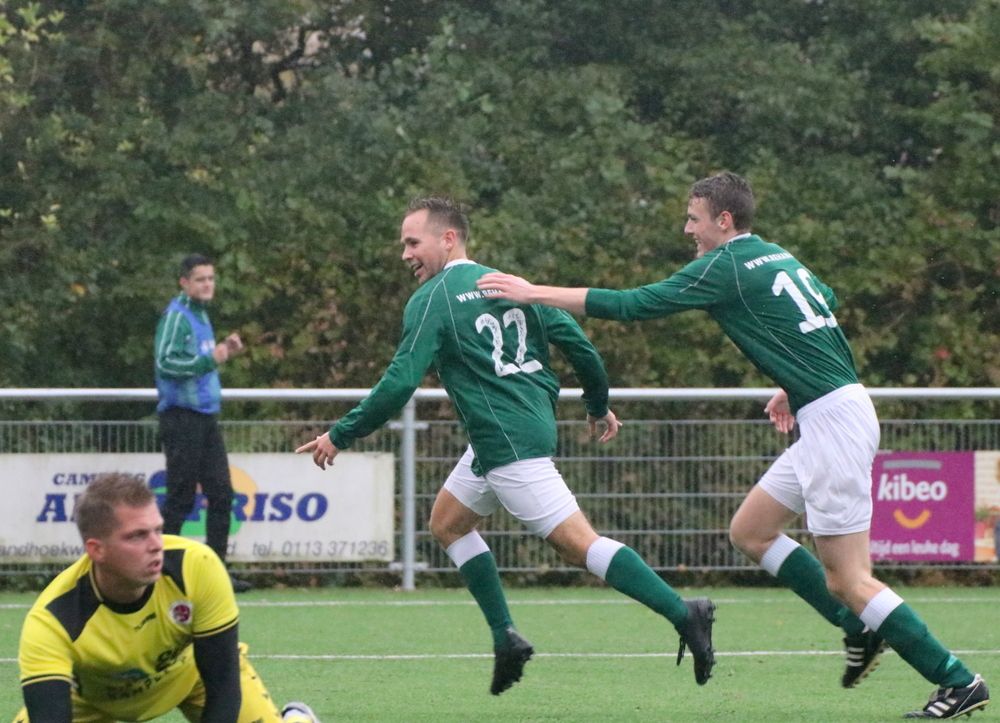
(532, 490)
(827, 473)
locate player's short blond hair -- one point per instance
(95, 510)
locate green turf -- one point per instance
(599, 656)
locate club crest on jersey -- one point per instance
(181, 612)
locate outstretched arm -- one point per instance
(521, 291)
(421, 322)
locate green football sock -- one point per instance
(803, 574)
(909, 637)
(629, 574)
(483, 580)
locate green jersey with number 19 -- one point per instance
(772, 307)
(492, 357)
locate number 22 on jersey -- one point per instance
(513, 316)
(783, 283)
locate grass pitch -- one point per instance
(381, 655)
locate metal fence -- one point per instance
(666, 486)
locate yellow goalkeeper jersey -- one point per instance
(136, 661)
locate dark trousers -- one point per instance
(196, 454)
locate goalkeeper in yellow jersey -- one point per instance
(142, 624)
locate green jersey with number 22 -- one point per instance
(772, 307)
(492, 357)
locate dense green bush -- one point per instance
(284, 138)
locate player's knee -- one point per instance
(445, 531)
(179, 501)
(220, 500)
(437, 529)
(839, 586)
(852, 586)
(572, 555)
(749, 541)
(739, 536)
(571, 541)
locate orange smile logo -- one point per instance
(911, 523)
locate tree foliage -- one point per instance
(284, 139)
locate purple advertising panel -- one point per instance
(924, 506)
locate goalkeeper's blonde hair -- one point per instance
(95, 510)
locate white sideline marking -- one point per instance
(515, 601)
(466, 656)
(470, 656)
(620, 600)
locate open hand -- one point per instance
(507, 286)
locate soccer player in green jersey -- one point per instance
(492, 357)
(780, 315)
(141, 624)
